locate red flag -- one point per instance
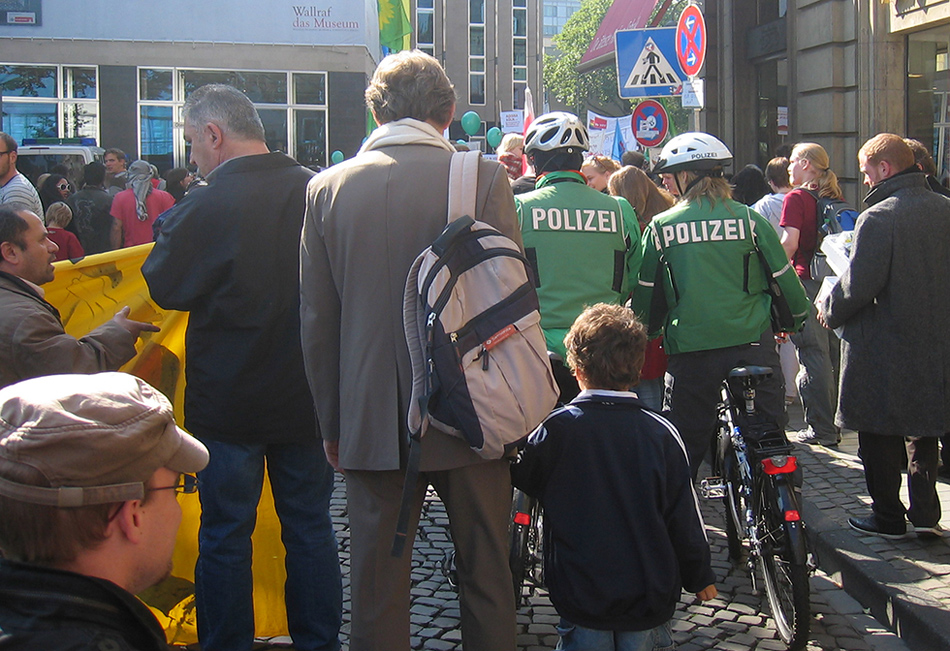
(528, 119)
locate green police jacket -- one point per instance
(713, 281)
(584, 247)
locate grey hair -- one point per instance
(228, 108)
(410, 84)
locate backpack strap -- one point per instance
(463, 183)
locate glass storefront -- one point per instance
(928, 90)
(292, 107)
(49, 101)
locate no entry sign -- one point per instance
(691, 40)
(650, 123)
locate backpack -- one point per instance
(480, 367)
(833, 216)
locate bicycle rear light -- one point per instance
(523, 519)
(792, 515)
(779, 465)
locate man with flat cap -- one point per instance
(90, 466)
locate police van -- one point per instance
(37, 156)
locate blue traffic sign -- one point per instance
(647, 65)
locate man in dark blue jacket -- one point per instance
(227, 253)
(622, 531)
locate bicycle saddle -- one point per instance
(751, 371)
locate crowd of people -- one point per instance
(118, 205)
(297, 365)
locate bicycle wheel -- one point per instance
(726, 468)
(786, 582)
(524, 511)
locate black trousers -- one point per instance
(692, 390)
(885, 457)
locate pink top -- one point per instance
(69, 246)
(134, 230)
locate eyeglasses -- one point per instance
(9, 151)
(186, 484)
(63, 186)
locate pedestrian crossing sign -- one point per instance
(647, 65)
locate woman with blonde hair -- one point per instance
(809, 171)
(597, 170)
(635, 186)
(510, 152)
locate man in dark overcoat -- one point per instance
(893, 303)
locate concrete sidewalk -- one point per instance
(904, 584)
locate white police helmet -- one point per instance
(557, 130)
(693, 152)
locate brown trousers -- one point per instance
(477, 500)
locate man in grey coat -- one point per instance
(367, 219)
(893, 303)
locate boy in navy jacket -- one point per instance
(623, 535)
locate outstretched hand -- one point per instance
(135, 328)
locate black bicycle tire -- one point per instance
(727, 472)
(776, 564)
(518, 542)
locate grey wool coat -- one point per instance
(894, 304)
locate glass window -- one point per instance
(476, 11)
(311, 137)
(520, 74)
(520, 48)
(28, 81)
(81, 120)
(260, 87)
(476, 41)
(275, 129)
(158, 136)
(79, 83)
(310, 89)
(477, 65)
(424, 4)
(519, 3)
(518, 99)
(520, 26)
(155, 84)
(31, 120)
(425, 32)
(476, 94)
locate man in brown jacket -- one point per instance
(32, 339)
(367, 219)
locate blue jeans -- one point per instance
(230, 489)
(578, 638)
(651, 392)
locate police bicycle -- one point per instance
(755, 465)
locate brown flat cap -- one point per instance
(95, 438)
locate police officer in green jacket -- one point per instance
(717, 314)
(584, 246)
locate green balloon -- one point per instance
(494, 137)
(471, 123)
(337, 157)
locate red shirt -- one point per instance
(800, 211)
(69, 246)
(134, 230)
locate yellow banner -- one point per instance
(88, 293)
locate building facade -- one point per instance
(491, 50)
(835, 72)
(91, 68)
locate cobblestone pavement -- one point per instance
(904, 583)
(735, 620)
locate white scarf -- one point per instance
(406, 131)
